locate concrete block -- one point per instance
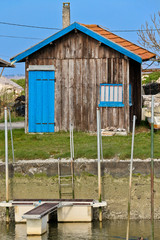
(19, 212)
(75, 213)
(37, 226)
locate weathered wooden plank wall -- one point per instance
(81, 65)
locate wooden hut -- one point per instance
(81, 67)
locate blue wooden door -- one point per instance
(41, 101)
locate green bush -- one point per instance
(153, 77)
(20, 82)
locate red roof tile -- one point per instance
(141, 52)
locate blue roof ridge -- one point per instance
(68, 29)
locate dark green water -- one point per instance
(108, 230)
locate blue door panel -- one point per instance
(38, 109)
(45, 103)
(41, 101)
(31, 103)
(51, 106)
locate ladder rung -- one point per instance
(65, 184)
(69, 193)
(65, 176)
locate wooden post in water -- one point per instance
(152, 168)
(59, 177)
(130, 178)
(99, 162)
(6, 163)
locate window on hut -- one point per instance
(111, 95)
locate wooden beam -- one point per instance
(2, 71)
(151, 70)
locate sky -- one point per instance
(112, 14)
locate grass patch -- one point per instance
(14, 118)
(143, 127)
(43, 146)
(41, 175)
(18, 175)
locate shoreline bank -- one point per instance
(39, 179)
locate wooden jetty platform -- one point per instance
(37, 212)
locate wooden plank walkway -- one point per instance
(40, 211)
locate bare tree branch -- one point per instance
(148, 38)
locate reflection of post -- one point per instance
(130, 179)
(43, 237)
(152, 169)
(99, 163)
(6, 162)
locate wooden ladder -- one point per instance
(66, 181)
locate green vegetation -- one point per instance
(9, 99)
(20, 82)
(43, 146)
(14, 118)
(153, 77)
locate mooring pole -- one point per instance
(71, 141)
(11, 134)
(72, 157)
(130, 178)
(59, 177)
(152, 168)
(6, 163)
(99, 163)
(100, 134)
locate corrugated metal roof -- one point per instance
(141, 52)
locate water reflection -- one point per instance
(107, 230)
(20, 233)
(43, 237)
(75, 229)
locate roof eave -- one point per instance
(98, 37)
(4, 63)
(109, 43)
(21, 56)
(149, 59)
